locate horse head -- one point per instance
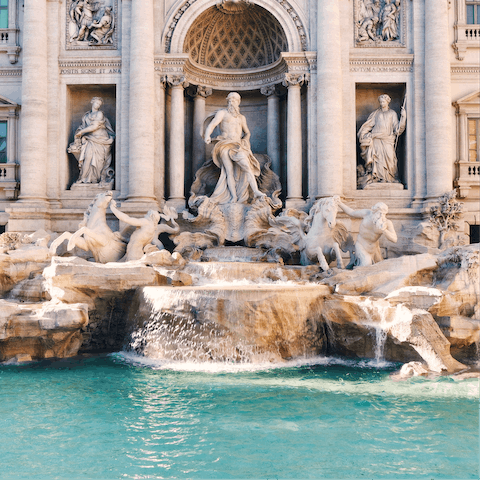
(328, 208)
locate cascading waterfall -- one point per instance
(175, 331)
(388, 316)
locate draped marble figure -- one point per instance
(92, 146)
(232, 155)
(378, 136)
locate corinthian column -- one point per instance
(273, 126)
(437, 99)
(198, 152)
(176, 158)
(141, 115)
(34, 134)
(329, 99)
(294, 139)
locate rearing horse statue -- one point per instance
(94, 234)
(324, 235)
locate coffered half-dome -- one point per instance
(248, 37)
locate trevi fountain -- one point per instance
(241, 239)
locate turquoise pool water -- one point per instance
(114, 417)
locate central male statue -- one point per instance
(232, 155)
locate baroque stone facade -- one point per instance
(309, 73)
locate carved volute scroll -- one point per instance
(294, 79)
(177, 81)
(91, 24)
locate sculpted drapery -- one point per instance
(377, 138)
(92, 146)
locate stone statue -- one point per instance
(92, 146)
(232, 155)
(102, 31)
(147, 230)
(378, 138)
(325, 236)
(368, 20)
(374, 224)
(94, 234)
(390, 15)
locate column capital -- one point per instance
(177, 81)
(196, 91)
(295, 79)
(269, 90)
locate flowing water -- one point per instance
(127, 417)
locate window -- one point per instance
(473, 140)
(3, 142)
(3, 13)
(474, 233)
(473, 12)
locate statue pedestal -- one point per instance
(234, 214)
(384, 186)
(89, 190)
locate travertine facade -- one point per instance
(309, 73)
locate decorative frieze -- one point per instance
(379, 23)
(399, 64)
(91, 25)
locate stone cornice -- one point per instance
(301, 63)
(10, 72)
(397, 63)
(465, 69)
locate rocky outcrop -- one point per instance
(42, 330)
(72, 279)
(421, 308)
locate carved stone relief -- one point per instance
(380, 23)
(91, 24)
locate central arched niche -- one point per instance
(245, 38)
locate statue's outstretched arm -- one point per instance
(136, 222)
(351, 212)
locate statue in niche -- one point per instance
(90, 23)
(378, 21)
(232, 155)
(378, 138)
(374, 224)
(92, 146)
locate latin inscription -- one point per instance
(89, 71)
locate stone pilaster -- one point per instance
(198, 152)
(34, 134)
(294, 139)
(176, 157)
(141, 108)
(273, 126)
(438, 136)
(329, 99)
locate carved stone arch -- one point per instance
(184, 14)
